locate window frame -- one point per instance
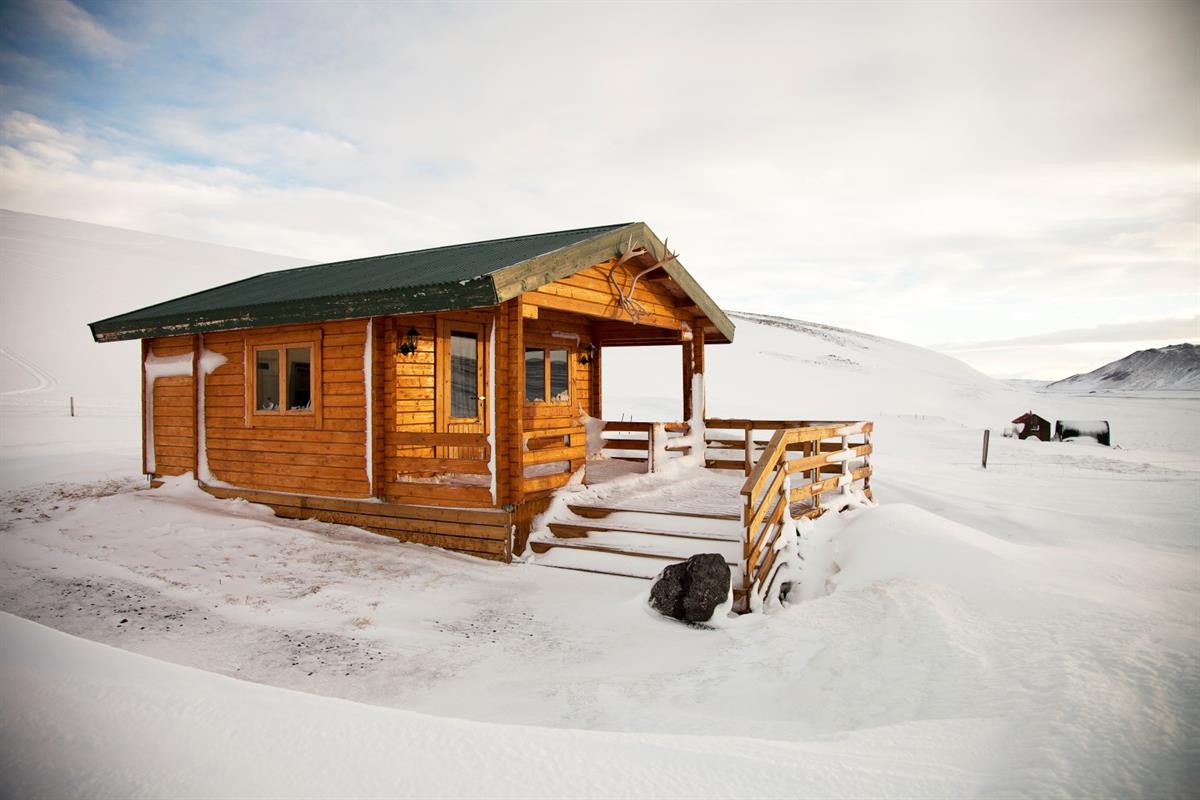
(280, 343)
(546, 349)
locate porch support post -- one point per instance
(693, 363)
(688, 372)
(596, 377)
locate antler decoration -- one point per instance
(625, 299)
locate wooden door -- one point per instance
(461, 393)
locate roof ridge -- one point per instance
(449, 247)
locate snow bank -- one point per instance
(114, 723)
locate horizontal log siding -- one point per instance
(329, 460)
(481, 533)
(174, 412)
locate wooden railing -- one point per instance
(638, 441)
(779, 484)
(425, 468)
(545, 449)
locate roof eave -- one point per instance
(475, 293)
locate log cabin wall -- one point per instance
(322, 454)
(171, 414)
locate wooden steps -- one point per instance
(572, 530)
(598, 512)
(667, 551)
(636, 542)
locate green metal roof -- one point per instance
(437, 279)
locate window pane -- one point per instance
(299, 378)
(535, 375)
(267, 382)
(559, 385)
(464, 375)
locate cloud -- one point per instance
(923, 171)
(208, 203)
(280, 148)
(81, 29)
(1169, 329)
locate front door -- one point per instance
(461, 397)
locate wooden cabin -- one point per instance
(441, 396)
(1033, 425)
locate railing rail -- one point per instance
(771, 496)
(639, 441)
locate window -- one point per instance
(283, 381)
(464, 375)
(547, 375)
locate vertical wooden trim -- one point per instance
(688, 367)
(378, 408)
(516, 398)
(501, 401)
(145, 421)
(389, 418)
(197, 387)
(597, 379)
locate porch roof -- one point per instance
(473, 275)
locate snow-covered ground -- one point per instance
(1032, 629)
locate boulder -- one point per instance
(692, 590)
(666, 596)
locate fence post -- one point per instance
(72, 406)
(987, 433)
(748, 456)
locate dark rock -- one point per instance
(666, 596)
(692, 590)
(708, 586)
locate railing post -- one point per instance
(650, 465)
(749, 447)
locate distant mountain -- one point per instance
(1173, 368)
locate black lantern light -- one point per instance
(409, 345)
(589, 354)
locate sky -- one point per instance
(1016, 184)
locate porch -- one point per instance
(646, 500)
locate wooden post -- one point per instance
(700, 402)
(986, 436)
(72, 406)
(597, 378)
(749, 447)
(688, 371)
(197, 388)
(145, 421)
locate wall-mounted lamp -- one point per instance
(589, 354)
(409, 345)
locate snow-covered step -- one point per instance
(574, 530)
(640, 545)
(666, 524)
(608, 563)
(596, 512)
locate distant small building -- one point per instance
(1030, 424)
(1097, 429)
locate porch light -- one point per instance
(409, 345)
(589, 353)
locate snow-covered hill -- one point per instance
(59, 275)
(1173, 368)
